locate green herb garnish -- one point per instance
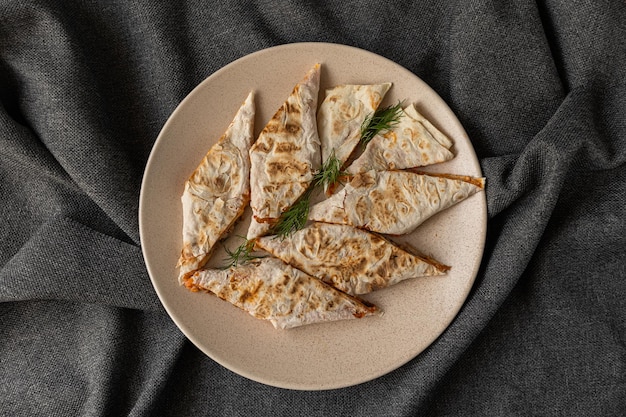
(241, 255)
(295, 217)
(381, 120)
(330, 172)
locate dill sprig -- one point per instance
(330, 172)
(381, 120)
(240, 255)
(296, 216)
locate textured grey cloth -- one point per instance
(85, 88)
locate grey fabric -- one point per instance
(85, 89)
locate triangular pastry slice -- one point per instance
(269, 289)
(218, 191)
(408, 144)
(394, 202)
(437, 134)
(352, 260)
(341, 115)
(285, 156)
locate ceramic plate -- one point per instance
(320, 356)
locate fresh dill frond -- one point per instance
(241, 255)
(295, 217)
(330, 172)
(381, 120)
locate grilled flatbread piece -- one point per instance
(437, 134)
(352, 260)
(342, 114)
(271, 290)
(285, 156)
(394, 202)
(409, 144)
(218, 190)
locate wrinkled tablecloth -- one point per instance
(85, 88)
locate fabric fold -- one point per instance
(66, 260)
(581, 133)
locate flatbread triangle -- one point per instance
(352, 260)
(394, 202)
(269, 289)
(341, 116)
(286, 155)
(218, 190)
(409, 144)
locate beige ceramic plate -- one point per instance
(321, 356)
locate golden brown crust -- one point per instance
(477, 181)
(342, 114)
(407, 144)
(269, 289)
(393, 202)
(217, 192)
(286, 155)
(351, 260)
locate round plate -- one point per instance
(326, 355)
